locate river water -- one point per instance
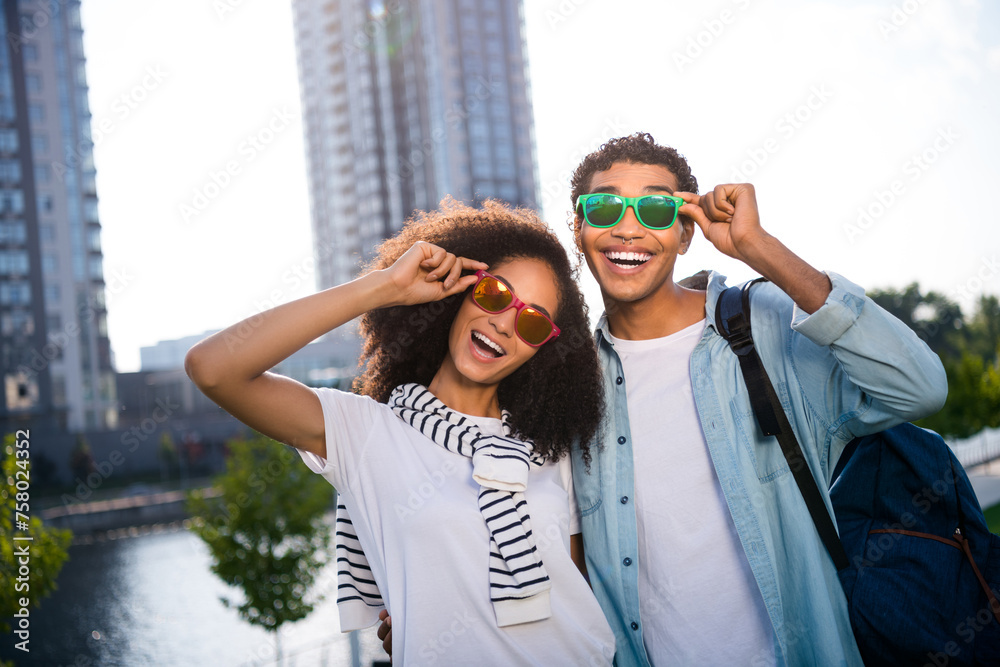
(151, 599)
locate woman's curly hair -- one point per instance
(553, 399)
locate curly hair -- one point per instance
(556, 397)
(638, 148)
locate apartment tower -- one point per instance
(56, 356)
(405, 102)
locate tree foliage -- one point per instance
(265, 530)
(46, 550)
(969, 349)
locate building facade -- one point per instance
(54, 346)
(405, 102)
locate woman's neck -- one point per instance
(462, 395)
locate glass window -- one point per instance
(33, 83)
(49, 264)
(47, 233)
(94, 239)
(39, 144)
(13, 232)
(13, 262)
(10, 171)
(8, 140)
(30, 52)
(15, 294)
(43, 174)
(96, 269)
(90, 210)
(45, 204)
(52, 294)
(11, 201)
(36, 113)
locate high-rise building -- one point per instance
(405, 102)
(56, 356)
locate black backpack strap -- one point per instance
(732, 320)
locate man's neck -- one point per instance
(660, 314)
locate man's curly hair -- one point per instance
(638, 148)
(553, 399)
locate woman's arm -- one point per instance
(231, 366)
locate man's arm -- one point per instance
(729, 218)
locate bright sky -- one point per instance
(870, 130)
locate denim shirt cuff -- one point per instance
(842, 307)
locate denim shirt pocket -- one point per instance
(587, 484)
(764, 452)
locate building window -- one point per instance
(33, 83)
(43, 174)
(21, 390)
(11, 201)
(17, 323)
(36, 113)
(39, 144)
(47, 233)
(45, 205)
(30, 52)
(13, 262)
(96, 269)
(94, 239)
(13, 232)
(10, 171)
(15, 294)
(52, 294)
(49, 264)
(8, 140)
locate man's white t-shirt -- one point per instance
(415, 508)
(698, 600)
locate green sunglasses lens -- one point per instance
(533, 327)
(603, 210)
(657, 212)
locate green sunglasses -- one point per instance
(653, 211)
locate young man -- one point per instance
(698, 543)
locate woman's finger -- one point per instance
(443, 268)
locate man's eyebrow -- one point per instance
(513, 291)
(613, 190)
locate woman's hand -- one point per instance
(427, 272)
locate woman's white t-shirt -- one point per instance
(415, 509)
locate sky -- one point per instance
(869, 129)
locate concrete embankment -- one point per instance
(139, 510)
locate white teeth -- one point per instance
(489, 343)
(637, 257)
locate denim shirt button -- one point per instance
(635, 626)
(624, 500)
(621, 440)
(619, 380)
(627, 562)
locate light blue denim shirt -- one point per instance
(847, 370)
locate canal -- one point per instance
(137, 597)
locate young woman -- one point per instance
(480, 373)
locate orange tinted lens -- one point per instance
(533, 326)
(492, 295)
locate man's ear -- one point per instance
(687, 233)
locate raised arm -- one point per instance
(729, 218)
(231, 367)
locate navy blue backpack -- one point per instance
(919, 567)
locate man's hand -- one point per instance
(385, 632)
(728, 217)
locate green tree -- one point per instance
(934, 317)
(32, 580)
(265, 531)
